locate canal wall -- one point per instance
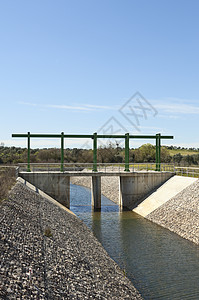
(48, 253)
(55, 184)
(126, 190)
(174, 206)
(137, 186)
(164, 193)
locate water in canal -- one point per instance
(160, 264)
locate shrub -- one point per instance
(7, 180)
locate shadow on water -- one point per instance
(160, 264)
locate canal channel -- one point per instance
(160, 264)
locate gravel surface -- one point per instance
(181, 213)
(48, 253)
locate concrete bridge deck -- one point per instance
(91, 173)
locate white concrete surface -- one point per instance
(163, 194)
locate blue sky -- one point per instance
(72, 65)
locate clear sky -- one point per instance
(76, 66)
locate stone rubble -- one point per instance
(48, 253)
(181, 213)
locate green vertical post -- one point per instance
(62, 152)
(95, 152)
(28, 168)
(127, 152)
(158, 152)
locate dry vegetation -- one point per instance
(7, 180)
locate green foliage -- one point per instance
(48, 232)
(7, 180)
(111, 153)
(124, 272)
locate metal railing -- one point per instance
(187, 171)
(158, 137)
(88, 167)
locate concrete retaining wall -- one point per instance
(134, 188)
(56, 185)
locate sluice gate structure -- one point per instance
(134, 186)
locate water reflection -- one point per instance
(96, 224)
(161, 264)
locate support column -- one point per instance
(96, 192)
(28, 168)
(95, 152)
(62, 152)
(127, 152)
(158, 152)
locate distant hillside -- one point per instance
(182, 151)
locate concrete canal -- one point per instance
(160, 264)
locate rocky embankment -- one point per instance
(180, 214)
(48, 253)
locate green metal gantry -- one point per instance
(96, 136)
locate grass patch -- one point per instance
(48, 232)
(7, 180)
(183, 152)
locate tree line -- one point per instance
(105, 154)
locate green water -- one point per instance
(160, 264)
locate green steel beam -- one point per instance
(133, 136)
(127, 152)
(38, 135)
(62, 152)
(95, 152)
(95, 136)
(150, 136)
(79, 136)
(32, 135)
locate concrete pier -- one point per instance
(96, 191)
